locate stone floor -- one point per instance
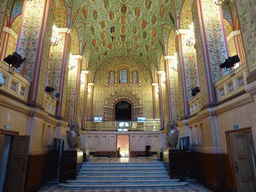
(192, 186)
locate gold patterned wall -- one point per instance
(139, 94)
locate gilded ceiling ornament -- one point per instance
(146, 48)
(92, 30)
(106, 4)
(105, 53)
(104, 43)
(112, 29)
(140, 54)
(148, 4)
(123, 9)
(98, 57)
(123, 30)
(137, 12)
(129, 51)
(136, 46)
(94, 42)
(119, 44)
(144, 35)
(171, 17)
(147, 58)
(136, 38)
(123, 37)
(143, 24)
(113, 38)
(128, 44)
(111, 16)
(153, 20)
(123, 20)
(102, 24)
(97, 49)
(103, 35)
(152, 43)
(110, 46)
(118, 51)
(161, 11)
(85, 11)
(153, 32)
(134, 30)
(95, 15)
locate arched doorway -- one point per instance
(123, 111)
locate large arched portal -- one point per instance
(123, 111)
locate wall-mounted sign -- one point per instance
(141, 119)
(97, 119)
(6, 127)
(236, 126)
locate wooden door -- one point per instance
(17, 164)
(241, 157)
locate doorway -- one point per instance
(123, 111)
(241, 157)
(123, 142)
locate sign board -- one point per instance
(141, 119)
(6, 127)
(97, 119)
(236, 126)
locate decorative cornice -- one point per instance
(232, 34)
(90, 84)
(84, 71)
(160, 72)
(10, 31)
(154, 84)
(64, 30)
(77, 57)
(181, 32)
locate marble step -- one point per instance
(121, 182)
(145, 174)
(124, 170)
(122, 164)
(117, 178)
(124, 186)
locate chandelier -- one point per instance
(218, 2)
(55, 36)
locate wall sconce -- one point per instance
(55, 39)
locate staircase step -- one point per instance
(126, 186)
(145, 174)
(130, 169)
(115, 178)
(122, 164)
(121, 182)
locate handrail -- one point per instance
(149, 125)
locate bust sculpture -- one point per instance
(73, 136)
(173, 133)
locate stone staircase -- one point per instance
(146, 175)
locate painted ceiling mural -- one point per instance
(113, 28)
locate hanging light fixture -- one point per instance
(55, 36)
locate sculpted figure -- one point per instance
(173, 133)
(73, 136)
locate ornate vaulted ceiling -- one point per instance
(114, 28)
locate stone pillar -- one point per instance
(211, 46)
(3, 9)
(161, 100)
(168, 85)
(246, 15)
(34, 44)
(85, 76)
(62, 69)
(77, 87)
(154, 87)
(91, 87)
(180, 35)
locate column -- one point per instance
(180, 35)
(85, 76)
(246, 15)
(60, 51)
(161, 101)
(154, 87)
(211, 46)
(168, 86)
(91, 88)
(34, 44)
(77, 87)
(3, 9)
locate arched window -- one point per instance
(123, 76)
(111, 77)
(135, 77)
